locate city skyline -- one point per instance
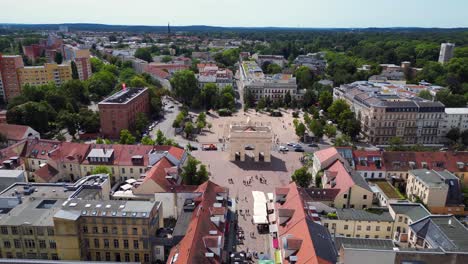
(306, 14)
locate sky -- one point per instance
(241, 13)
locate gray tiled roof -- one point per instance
(363, 215)
(363, 243)
(414, 211)
(442, 231)
(322, 241)
(432, 178)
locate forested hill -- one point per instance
(203, 28)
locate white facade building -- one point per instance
(454, 118)
(446, 52)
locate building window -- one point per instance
(104, 229)
(359, 228)
(125, 243)
(135, 231)
(389, 228)
(345, 195)
(377, 228)
(367, 236)
(345, 227)
(124, 230)
(42, 244)
(17, 243)
(376, 236)
(116, 243)
(400, 219)
(4, 230)
(86, 242)
(106, 243)
(14, 230)
(146, 258)
(6, 244)
(85, 229)
(135, 244)
(114, 230)
(28, 243)
(137, 257)
(123, 170)
(96, 243)
(127, 257)
(52, 244)
(364, 197)
(108, 256)
(95, 230)
(50, 231)
(131, 170)
(98, 256)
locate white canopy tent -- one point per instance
(259, 208)
(260, 219)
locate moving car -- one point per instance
(283, 148)
(209, 147)
(313, 145)
(299, 149)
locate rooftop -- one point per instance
(123, 96)
(364, 243)
(363, 215)
(388, 190)
(10, 173)
(457, 111)
(433, 178)
(414, 211)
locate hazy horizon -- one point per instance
(242, 13)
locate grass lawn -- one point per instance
(389, 190)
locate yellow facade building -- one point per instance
(49, 72)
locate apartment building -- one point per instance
(404, 214)
(97, 230)
(9, 64)
(81, 57)
(119, 111)
(359, 223)
(211, 73)
(385, 115)
(17, 133)
(27, 229)
(274, 87)
(453, 118)
(49, 72)
(276, 59)
(439, 190)
(314, 61)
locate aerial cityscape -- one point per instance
(179, 140)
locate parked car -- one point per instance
(313, 145)
(283, 148)
(291, 144)
(249, 147)
(208, 147)
(299, 149)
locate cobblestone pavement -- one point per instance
(277, 173)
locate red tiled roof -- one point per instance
(297, 228)
(158, 174)
(318, 194)
(15, 150)
(70, 152)
(343, 179)
(281, 190)
(191, 249)
(46, 173)
(368, 155)
(326, 154)
(40, 148)
(13, 132)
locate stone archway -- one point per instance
(253, 137)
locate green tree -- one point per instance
(143, 54)
(160, 137)
(70, 121)
(464, 137)
(99, 140)
(58, 58)
(146, 140)
(75, 75)
(261, 104)
(453, 134)
(249, 98)
(101, 170)
(273, 68)
(304, 77)
(317, 128)
(202, 174)
(89, 120)
(126, 137)
(141, 122)
(342, 141)
(336, 108)
(396, 144)
(209, 94)
(425, 94)
(325, 100)
(189, 171)
(287, 98)
(300, 130)
(166, 59)
(96, 64)
(185, 85)
(329, 130)
(188, 129)
(302, 177)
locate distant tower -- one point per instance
(446, 52)
(168, 30)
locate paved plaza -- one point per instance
(277, 173)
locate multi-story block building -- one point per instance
(439, 190)
(404, 214)
(81, 57)
(97, 230)
(120, 110)
(276, 59)
(385, 116)
(274, 87)
(453, 118)
(9, 64)
(27, 229)
(446, 52)
(49, 72)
